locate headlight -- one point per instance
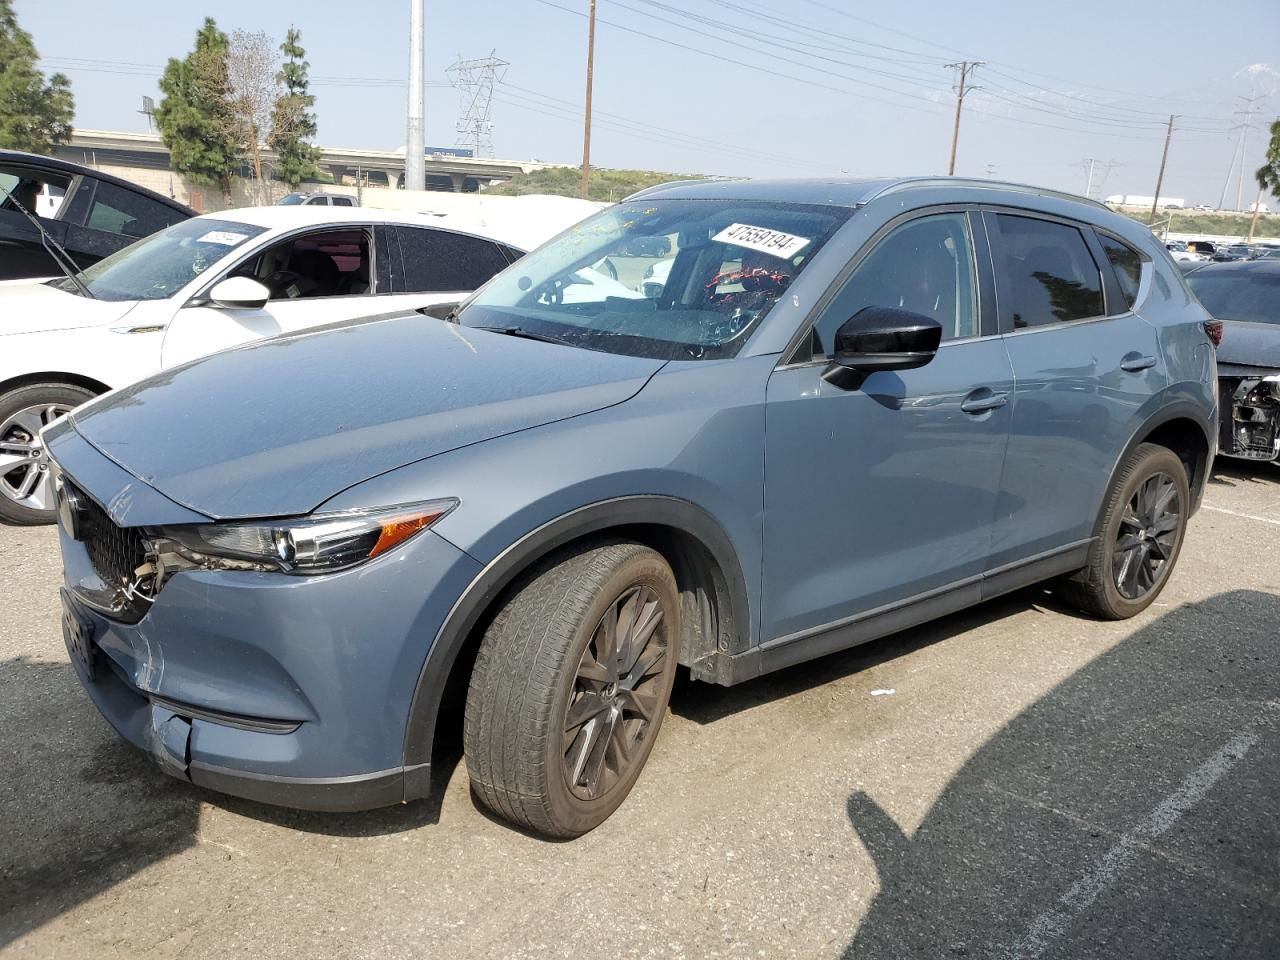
(320, 543)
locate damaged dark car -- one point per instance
(1246, 297)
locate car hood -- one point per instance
(32, 307)
(1250, 344)
(277, 427)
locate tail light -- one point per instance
(1214, 329)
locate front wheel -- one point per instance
(570, 687)
(26, 487)
(1144, 520)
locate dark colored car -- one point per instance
(1236, 251)
(1245, 295)
(849, 407)
(89, 213)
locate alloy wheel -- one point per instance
(616, 693)
(25, 477)
(1147, 536)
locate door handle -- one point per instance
(1134, 364)
(985, 403)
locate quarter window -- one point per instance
(1126, 262)
(924, 265)
(1047, 273)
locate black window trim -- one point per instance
(979, 248)
(1091, 244)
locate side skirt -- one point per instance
(903, 614)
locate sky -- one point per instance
(756, 87)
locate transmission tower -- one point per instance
(474, 81)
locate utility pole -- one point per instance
(1168, 135)
(964, 69)
(586, 129)
(415, 151)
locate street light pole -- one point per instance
(415, 174)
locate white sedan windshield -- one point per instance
(162, 264)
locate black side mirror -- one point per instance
(881, 338)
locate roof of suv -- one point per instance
(842, 191)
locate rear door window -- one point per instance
(1045, 272)
(438, 261)
(128, 214)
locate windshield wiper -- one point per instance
(526, 334)
(60, 257)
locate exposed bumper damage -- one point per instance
(1249, 399)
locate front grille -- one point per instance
(116, 553)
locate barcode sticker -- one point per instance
(224, 237)
(773, 242)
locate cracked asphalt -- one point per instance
(1014, 781)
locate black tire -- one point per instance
(35, 395)
(1096, 589)
(520, 756)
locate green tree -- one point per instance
(196, 118)
(35, 115)
(292, 122)
(1268, 175)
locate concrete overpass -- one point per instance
(380, 168)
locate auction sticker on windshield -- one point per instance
(773, 242)
(224, 237)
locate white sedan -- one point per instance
(206, 284)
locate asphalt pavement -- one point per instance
(1014, 781)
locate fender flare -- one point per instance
(466, 612)
(1178, 410)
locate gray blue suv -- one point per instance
(726, 425)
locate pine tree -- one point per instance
(35, 115)
(292, 123)
(196, 119)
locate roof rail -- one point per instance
(908, 183)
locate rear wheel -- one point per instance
(570, 687)
(26, 487)
(1144, 520)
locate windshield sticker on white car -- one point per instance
(224, 237)
(773, 242)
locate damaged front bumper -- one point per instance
(1249, 400)
(291, 691)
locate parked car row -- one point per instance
(730, 425)
(1203, 251)
(202, 285)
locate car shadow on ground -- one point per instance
(1230, 472)
(1130, 812)
(703, 703)
(81, 809)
